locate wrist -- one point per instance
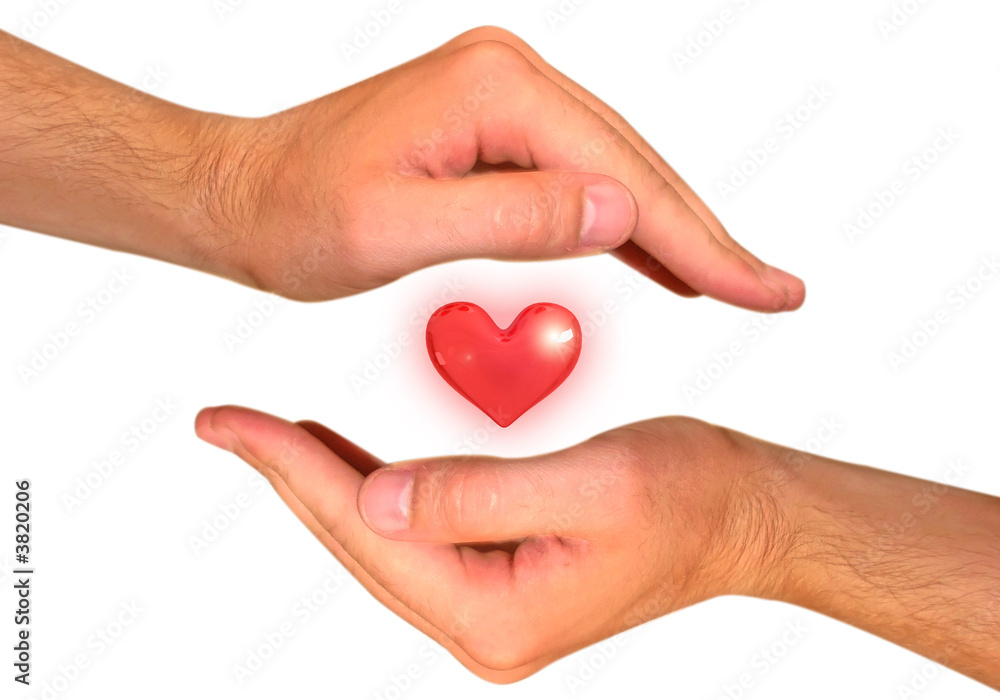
(224, 194)
(728, 529)
(760, 536)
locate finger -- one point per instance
(641, 261)
(611, 116)
(326, 485)
(363, 461)
(618, 122)
(521, 132)
(490, 500)
(446, 638)
(321, 489)
(513, 215)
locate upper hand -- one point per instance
(476, 149)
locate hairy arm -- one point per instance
(86, 158)
(912, 561)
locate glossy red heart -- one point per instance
(503, 372)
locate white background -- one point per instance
(163, 338)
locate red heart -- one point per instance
(503, 372)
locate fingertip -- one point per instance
(641, 261)
(209, 428)
(797, 297)
(790, 290)
(202, 421)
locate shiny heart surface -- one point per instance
(503, 372)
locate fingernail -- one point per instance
(387, 500)
(607, 213)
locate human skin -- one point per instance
(512, 564)
(476, 149)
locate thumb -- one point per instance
(523, 215)
(489, 500)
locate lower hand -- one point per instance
(512, 564)
(574, 546)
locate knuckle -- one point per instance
(490, 54)
(703, 438)
(491, 33)
(633, 492)
(468, 498)
(625, 482)
(603, 143)
(357, 239)
(353, 247)
(535, 221)
(497, 651)
(450, 507)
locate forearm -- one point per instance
(85, 158)
(911, 561)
